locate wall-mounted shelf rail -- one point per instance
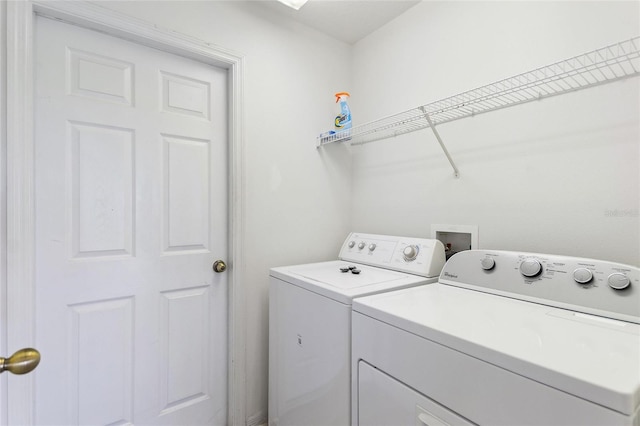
(611, 63)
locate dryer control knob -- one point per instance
(618, 281)
(487, 263)
(352, 244)
(372, 246)
(530, 267)
(361, 245)
(410, 253)
(582, 275)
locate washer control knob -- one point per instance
(618, 281)
(530, 267)
(410, 253)
(372, 246)
(352, 244)
(361, 245)
(488, 263)
(582, 275)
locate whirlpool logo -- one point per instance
(449, 275)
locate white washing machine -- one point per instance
(503, 338)
(310, 321)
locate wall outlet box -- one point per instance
(456, 237)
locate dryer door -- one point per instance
(383, 401)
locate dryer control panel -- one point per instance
(592, 286)
(418, 256)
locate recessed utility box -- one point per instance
(456, 237)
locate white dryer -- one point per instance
(310, 321)
(503, 338)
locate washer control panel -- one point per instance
(419, 256)
(593, 286)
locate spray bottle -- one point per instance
(343, 119)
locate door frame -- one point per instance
(19, 243)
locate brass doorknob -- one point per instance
(21, 362)
(219, 266)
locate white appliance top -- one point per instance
(369, 264)
(572, 344)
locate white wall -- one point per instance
(558, 176)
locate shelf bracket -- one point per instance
(456, 172)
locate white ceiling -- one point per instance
(346, 20)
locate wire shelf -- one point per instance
(611, 63)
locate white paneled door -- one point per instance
(131, 212)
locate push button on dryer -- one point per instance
(582, 275)
(487, 263)
(618, 281)
(530, 267)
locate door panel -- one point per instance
(131, 211)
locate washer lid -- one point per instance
(594, 358)
(334, 277)
(326, 278)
